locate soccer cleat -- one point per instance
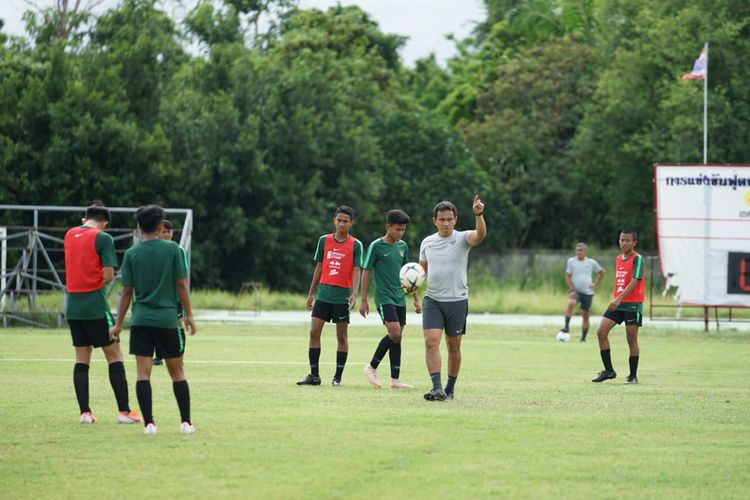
(150, 429)
(583, 340)
(435, 395)
(87, 418)
(187, 428)
(397, 384)
(448, 396)
(631, 380)
(336, 382)
(309, 380)
(604, 375)
(157, 361)
(128, 417)
(372, 376)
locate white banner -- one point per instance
(703, 231)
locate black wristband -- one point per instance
(479, 215)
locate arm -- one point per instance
(109, 274)
(314, 285)
(569, 282)
(122, 310)
(599, 278)
(364, 307)
(184, 294)
(476, 236)
(417, 304)
(355, 287)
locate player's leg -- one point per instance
(433, 321)
(396, 333)
(585, 301)
(454, 362)
(119, 383)
(81, 382)
(342, 346)
(455, 328)
(569, 310)
(321, 313)
(170, 346)
(631, 331)
(142, 347)
(608, 321)
(383, 346)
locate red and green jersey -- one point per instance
(338, 259)
(88, 250)
(385, 261)
(626, 270)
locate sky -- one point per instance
(425, 22)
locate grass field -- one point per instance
(527, 422)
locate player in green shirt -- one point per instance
(384, 259)
(155, 272)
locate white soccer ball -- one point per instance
(412, 275)
(563, 336)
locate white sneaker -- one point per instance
(372, 376)
(87, 418)
(397, 384)
(150, 429)
(187, 428)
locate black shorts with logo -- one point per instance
(331, 313)
(391, 313)
(629, 317)
(91, 332)
(450, 316)
(166, 342)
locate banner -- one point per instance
(703, 232)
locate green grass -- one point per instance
(526, 422)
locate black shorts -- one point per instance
(629, 317)
(331, 313)
(391, 313)
(585, 301)
(167, 342)
(91, 332)
(450, 316)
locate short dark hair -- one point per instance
(149, 217)
(167, 225)
(98, 212)
(397, 216)
(631, 233)
(343, 209)
(443, 206)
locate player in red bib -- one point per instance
(333, 290)
(627, 306)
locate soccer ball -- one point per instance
(411, 275)
(563, 336)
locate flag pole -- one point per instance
(705, 108)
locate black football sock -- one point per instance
(607, 360)
(437, 384)
(81, 384)
(182, 395)
(633, 361)
(567, 323)
(383, 346)
(395, 357)
(143, 392)
(119, 385)
(314, 355)
(340, 364)
(584, 332)
(451, 384)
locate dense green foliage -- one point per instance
(554, 112)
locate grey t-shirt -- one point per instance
(447, 260)
(580, 273)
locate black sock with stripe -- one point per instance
(119, 385)
(182, 395)
(395, 357)
(383, 347)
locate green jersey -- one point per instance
(152, 267)
(385, 261)
(94, 305)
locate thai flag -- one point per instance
(699, 68)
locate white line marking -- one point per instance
(192, 361)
